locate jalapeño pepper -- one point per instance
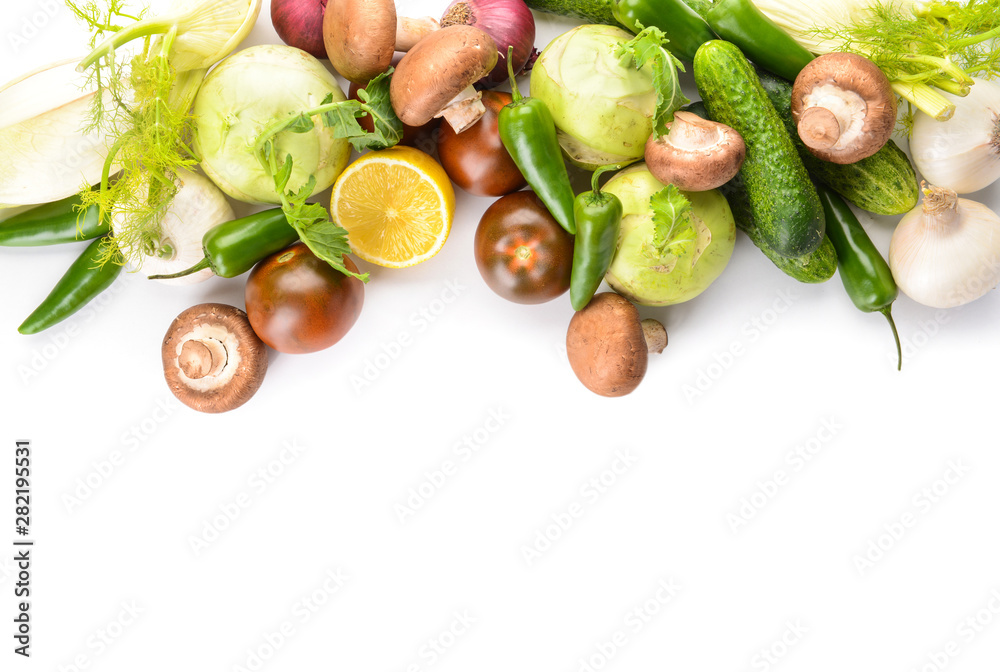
(528, 132)
(685, 29)
(758, 37)
(53, 223)
(233, 248)
(864, 272)
(598, 220)
(87, 277)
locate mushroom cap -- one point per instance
(360, 37)
(437, 69)
(606, 346)
(697, 154)
(212, 359)
(846, 85)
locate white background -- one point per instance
(813, 372)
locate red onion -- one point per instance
(508, 22)
(299, 23)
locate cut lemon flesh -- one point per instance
(397, 206)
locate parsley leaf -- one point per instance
(673, 222)
(649, 46)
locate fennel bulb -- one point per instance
(47, 157)
(801, 19)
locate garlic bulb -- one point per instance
(197, 207)
(946, 251)
(962, 153)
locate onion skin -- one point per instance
(299, 23)
(961, 153)
(508, 22)
(946, 252)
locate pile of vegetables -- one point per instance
(794, 126)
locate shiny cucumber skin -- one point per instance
(883, 183)
(784, 201)
(815, 267)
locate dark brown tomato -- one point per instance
(421, 137)
(521, 251)
(298, 303)
(476, 159)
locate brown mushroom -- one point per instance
(696, 154)
(844, 107)
(361, 36)
(212, 359)
(608, 345)
(435, 78)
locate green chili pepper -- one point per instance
(86, 278)
(232, 248)
(598, 217)
(685, 29)
(528, 132)
(758, 37)
(53, 223)
(864, 272)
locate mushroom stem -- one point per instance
(820, 128)
(464, 110)
(199, 358)
(655, 335)
(410, 31)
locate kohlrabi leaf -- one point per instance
(342, 118)
(673, 222)
(326, 238)
(649, 46)
(388, 127)
(284, 174)
(302, 123)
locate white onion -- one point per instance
(946, 251)
(962, 153)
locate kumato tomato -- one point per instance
(298, 303)
(476, 159)
(521, 251)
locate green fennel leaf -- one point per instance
(937, 41)
(649, 46)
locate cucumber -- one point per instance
(781, 196)
(815, 267)
(591, 11)
(884, 183)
